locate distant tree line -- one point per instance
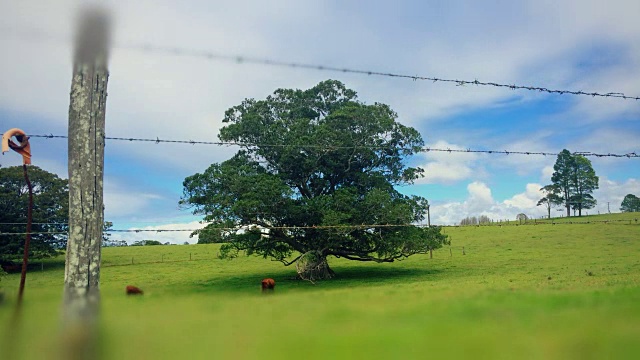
(114, 243)
(482, 219)
(148, 243)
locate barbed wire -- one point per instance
(33, 34)
(212, 56)
(356, 227)
(318, 227)
(33, 223)
(157, 140)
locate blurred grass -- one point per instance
(550, 292)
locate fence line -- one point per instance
(354, 227)
(157, 140)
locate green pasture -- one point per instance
(566, 291)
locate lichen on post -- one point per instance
(86, 167)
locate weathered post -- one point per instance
(86, 167)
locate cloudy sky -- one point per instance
(592, 46)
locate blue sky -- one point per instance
(586, 45)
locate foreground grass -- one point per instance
(569, 291)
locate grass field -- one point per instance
(566, 291)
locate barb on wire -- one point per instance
(157, 140)
(208, 55)
(33, 34)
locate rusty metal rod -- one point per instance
(27, 240)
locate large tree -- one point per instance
(575, 180)
(630, 203)
(316, 176)
(50, 212)
(561, 177)
(584, 182)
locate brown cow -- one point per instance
(268, 285)
(132, 290)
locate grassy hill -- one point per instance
(567, 291)
(629, 218)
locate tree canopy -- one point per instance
(630, 203)
(316, 174)
(50, 212)
(575, 180)
(552, 197)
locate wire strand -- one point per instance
(157, 140)
(39, 35)
(363, 226)
(212, 56)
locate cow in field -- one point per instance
(132, 290)
(268, 285)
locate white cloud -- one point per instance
(526, 200)
(611, 193)
(522, 164)
(620, 140)
(547, 172)
(447, 168)
(122, 201)
(444, 172)
(480, 202)
(479, 194)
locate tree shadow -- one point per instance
(376, 274)
(34, 265)
(346, 277)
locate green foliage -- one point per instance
(575, 180)
(584, 182)
(561, 177)
(552, 197)
(313, 159)
(630, 203)
(50, 212)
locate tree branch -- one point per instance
(280, 235)
(290, 262)
(361, 257)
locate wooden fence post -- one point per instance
(86, 171)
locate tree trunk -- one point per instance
(313, 266)
(86, 169)
(580, 210)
